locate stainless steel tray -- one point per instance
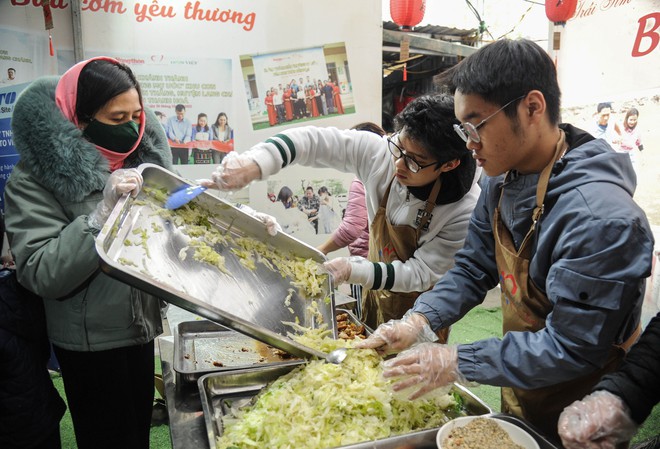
(203, 347)
(249, 301)
(219, 391)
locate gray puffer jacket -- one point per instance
(57, 183)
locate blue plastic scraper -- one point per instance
(183, 195)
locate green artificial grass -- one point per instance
(478, 324)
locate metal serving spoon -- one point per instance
(337, 356)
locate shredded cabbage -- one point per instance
(193, 220)
(323, 405)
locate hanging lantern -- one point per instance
(407, 13)
(559, 11)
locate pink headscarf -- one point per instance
(66, 97)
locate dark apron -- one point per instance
(387, 243)
(524, 308)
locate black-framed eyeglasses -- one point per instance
(469, 131)
(410, 161)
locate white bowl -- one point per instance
(518, 435)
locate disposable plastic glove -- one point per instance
(119, 182)
(235, 172)
(354, 269)
(601, 420)
(272, 226)
(426, 365)
(397, 335)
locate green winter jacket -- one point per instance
(57, 183)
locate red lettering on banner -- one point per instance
(103, 5)
(154, 10)
(652, 34)
(194, 11)
(54, 4)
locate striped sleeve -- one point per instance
(285, 147)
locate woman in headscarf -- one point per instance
(93, 131)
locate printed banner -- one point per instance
(8, 155)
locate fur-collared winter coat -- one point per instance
(48, 197)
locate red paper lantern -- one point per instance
(407, 13)
(559, 11)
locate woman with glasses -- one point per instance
(421, 187)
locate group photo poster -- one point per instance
(192, 97)
(291, 87)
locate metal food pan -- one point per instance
(252, 302)
(219, 392)
(203, 347)
(353, 319)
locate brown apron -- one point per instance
(524, 308)
(387, 243)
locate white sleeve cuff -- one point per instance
(362, 272)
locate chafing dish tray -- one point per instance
(143, 246)
(202, 347)
(219, 392)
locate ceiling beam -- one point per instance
(437, 46)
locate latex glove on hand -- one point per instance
(427, 365)
(119, 182)
(235, 172)
(397, 335)
(354, 269)
(601, 420)
(272, 226)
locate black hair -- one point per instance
(429, 121)
(179, 107)
(99, 82)
(218, 118)
(285, 196)
(324, 189)
(603, 105)
(199, 128)
(504, 70)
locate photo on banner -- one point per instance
(192, 97)
(297, 86)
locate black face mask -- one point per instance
(117, 138)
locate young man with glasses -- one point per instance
(555, 226)
(421, 187)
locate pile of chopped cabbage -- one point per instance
(323, 405)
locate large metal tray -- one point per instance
(203, 347)
(218, 391)
(249, 301)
